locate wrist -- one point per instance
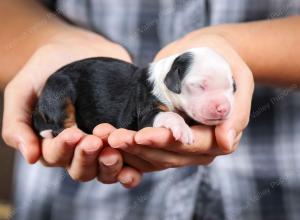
(90, 43)
(229, 34)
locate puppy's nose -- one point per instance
(223, 109)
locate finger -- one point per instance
(121, 138)
(59, 150)
(158, 137)
(103, 131)
(16, 130)
(129, 177)
(228, 132)
(138, 163)
(110, 165)
(84, 165)
(163, 159)
(162, 138)
(237, 141)
(24, 139)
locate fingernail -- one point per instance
(126, 179)
(90, 152)
(22, 149)
(144, 142)
(121, 146)
(73, 137)
(230, 138)
(109, 161)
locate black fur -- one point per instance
(101, 90)
(178, 71)
(233, 85)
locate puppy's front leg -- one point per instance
(181, 131)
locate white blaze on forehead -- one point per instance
(211, 66)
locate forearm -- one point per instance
(271, 48)
(27, 25)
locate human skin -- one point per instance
(156, 149)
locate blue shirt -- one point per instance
(260, 180)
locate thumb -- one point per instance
(229, 133)
(20, 136)
(16, 130)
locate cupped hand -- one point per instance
(153, 149)
(72, 149)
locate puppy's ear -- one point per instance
(178, 71)
(172, 81)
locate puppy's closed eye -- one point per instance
(200, 85)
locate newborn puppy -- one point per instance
(197, 84)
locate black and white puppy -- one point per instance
(197, 84)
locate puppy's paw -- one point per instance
(181, 131)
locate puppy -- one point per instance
(197, 84)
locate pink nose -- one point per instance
(222, 109)
(219, 109)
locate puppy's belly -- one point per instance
(91, 116)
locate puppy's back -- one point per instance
(87, 92)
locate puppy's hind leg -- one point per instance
(55, 109)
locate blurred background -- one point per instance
(6, 173)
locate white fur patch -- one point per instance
(180, 130)
(157, 74)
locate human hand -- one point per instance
(72, 149)
(157, 148)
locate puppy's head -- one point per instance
(200, 83)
